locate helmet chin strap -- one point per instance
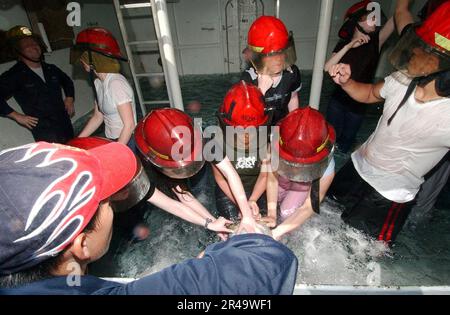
(92, 77)
(420, 81)
(361, 29)
(315, 195)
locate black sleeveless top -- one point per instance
(279, 96)
(364, 62)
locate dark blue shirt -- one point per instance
(244, 265)
(43, 100)
(36, 98)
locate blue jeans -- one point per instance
(131, 144)
(345, 122)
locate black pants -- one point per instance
(365, 209)
(346, 123)
(56, 129)
(227, 209)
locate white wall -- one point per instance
(198, 28)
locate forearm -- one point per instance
(5, 109)
(176, 208)
(235, 184)
(239, 195)
(336, 58)
(296, 220)
(294, 103)
(403, 16)
(69, 91)
(8, 85)
(305, 212)
(126, 134)
(94, 123)
(361, 92)
(13, 115)
(223, 184)
(272, 195)
(190, 201)
(386, 32)
(127, 117)
(260, 187)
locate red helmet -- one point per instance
(268, 35)
(306, 145)
(100, 40)
(134, 192)
(88, 143)
(166, 130)
(244, 106)
(353, 17)
(357, 8)
(435, 31)
(425, 49)
(429, 8)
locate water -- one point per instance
(329, 252)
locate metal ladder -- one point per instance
(166, 50)
(246, 11)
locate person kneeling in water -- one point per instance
(305, 171)
(244, 120)
(156, 137)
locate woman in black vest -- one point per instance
(360, 46)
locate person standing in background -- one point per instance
(99, 53)
(272, 56)
(360, 46)
(36, 87)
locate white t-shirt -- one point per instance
(396, 158)
(113, 92)
(39, 72)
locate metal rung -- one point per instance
(143, 42)
(150, 74)
(136, 5)
(157, 102)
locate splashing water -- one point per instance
(332, 253)
(329, 252)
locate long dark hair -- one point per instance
(164, 183)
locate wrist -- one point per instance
(276, 233)
(208, 221)
(272, 211)
(247, 219)
(13, 115)
(402, 6)
(347, 84)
